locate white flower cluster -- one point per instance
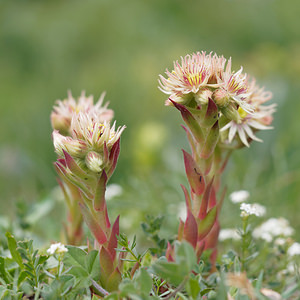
(273, 228)
(252, 209)
(239, 196)
(228, 234)
(57, 249)
(294, 249)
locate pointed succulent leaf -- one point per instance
(211, 115)
(205, 199)
(99, 199)
(106, 263)
(194, 175)
(210, 141)
(180, 230)
(113, 241)
(190, 122)
(73, 166)
(190, 231)
(170, 253)
(190, 139)
(92, 224)
(187, 197)
(114, 280)
(113, 157)
(205, 225)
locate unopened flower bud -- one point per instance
(60, 123)
(94, 161)
(75, 147)
(231, 113)
(203, 95)
(221, 97)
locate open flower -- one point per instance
(57, 248)
(249, 123)
(64, 110)
(273, 228)
(188, 77)
(252, 209)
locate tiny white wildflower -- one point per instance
(280, 241)
(228, 233)
(57, 248)
(113, 190)
(252, 209)
(273, 228)
(239, 196)
(182, 211)
(294, 249)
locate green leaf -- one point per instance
(12, 246)
(143, 281)
(185, 256)
(193, 288)
(93, 264)
(169, 271)
(75, 257)
(4, 274)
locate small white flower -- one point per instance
(57, 248)
(252, 209)
(182, 211)
(113, 190)
(239, 196)
(294, 249)
(280, 241)
(273, 228)
(228, 234)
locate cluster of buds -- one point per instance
(222, 110)
(88, 147)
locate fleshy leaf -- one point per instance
(93, 225)
(211, 115)
(205, 225)
(99, 199)
(194, 174)
(113, 157)
(190, 122)
(113, 241)
(114, 280)
(211, 141)
(205, 199)
(106, 264)
(187, 197)
(190, 231)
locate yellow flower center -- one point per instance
(243, 114)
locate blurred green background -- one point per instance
(48, 47)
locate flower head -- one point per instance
(252, 209)
(239, 196)
(248, 123)
(57, 248)
(90, 141)
(64, 110)
(273, 228)
(294, 249)
(188, 77)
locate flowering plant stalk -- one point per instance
(222, 111)
(87, 158)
